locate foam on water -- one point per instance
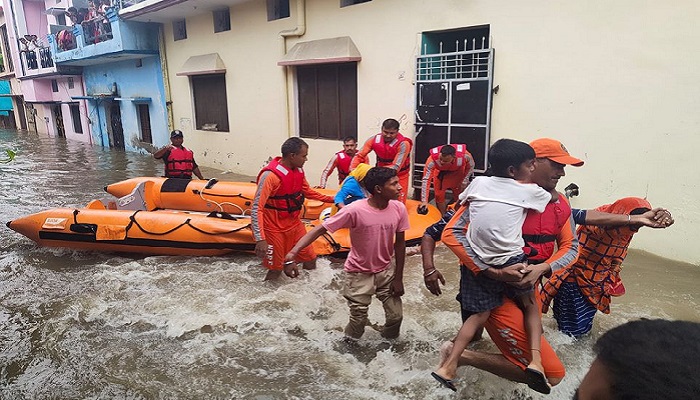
(99, 326)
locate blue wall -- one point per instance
(5, 102)
(132, 82)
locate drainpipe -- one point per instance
(299, 31)
(166, 78)
(87, 110)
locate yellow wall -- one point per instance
(615, 81)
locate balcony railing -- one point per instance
(126, 3)
(97, 30)
(36, 59)
(29, 60)
(45, 59)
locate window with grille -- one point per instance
(179, 30)
(7, 55)
(222, 20)
(277, 9)
(327, 101)
(71, 83)
(210, 105)
(54, 85)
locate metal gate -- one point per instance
(453, 101)
(116, 137)
(58, 118)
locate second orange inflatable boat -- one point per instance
(205, 196)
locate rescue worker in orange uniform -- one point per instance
(506, 324)
(179, 160)
(393, 150)
(279, 198)
(447, 167)
(340, 160)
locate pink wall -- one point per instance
(36, 21)
(36, 90)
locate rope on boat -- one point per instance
(335, 245)
(220, 205)
(187, 222)
(92, 228)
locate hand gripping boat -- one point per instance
(132, 224)
(204, 196)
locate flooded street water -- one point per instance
(79, 325)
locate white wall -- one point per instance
(615, 81)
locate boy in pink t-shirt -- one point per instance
(377, 227)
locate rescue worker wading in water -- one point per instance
(393, 151)
(179, 161)
(279, 198)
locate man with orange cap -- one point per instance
(393, 150)
(552, 234)
(506, 324)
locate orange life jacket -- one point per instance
(386, 152)
(180, 163)
(342, 161)
(289, 199)
(540, 230)
(457, 164)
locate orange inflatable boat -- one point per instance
(170, 232)
(205, 196)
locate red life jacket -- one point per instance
(540, 230)
(342, 161)
(289, 199)
(387, 151)
(180, 163)
(457, 164)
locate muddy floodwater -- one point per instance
(81, 325)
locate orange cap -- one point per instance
(555, 151)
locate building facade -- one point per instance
(47, 89)
(85, 74)
(244, 75)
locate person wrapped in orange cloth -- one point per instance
(584, 288)
(279, 198)
(393, 150)
(447, 167)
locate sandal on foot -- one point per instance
(537, 381)
(448, 383)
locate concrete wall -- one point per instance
(614, 81)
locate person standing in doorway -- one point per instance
(179, 160)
